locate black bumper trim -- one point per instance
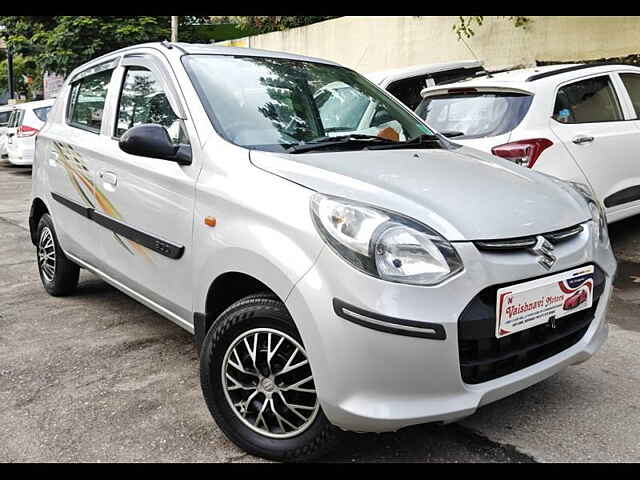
(382, 323)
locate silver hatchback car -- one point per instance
(337, 274)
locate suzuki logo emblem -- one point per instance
(543, 249)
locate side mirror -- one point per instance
(152, 140)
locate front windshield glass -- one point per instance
(275, 104)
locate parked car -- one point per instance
(27, 120)
(576, 122)
(5, 114)
(407, 83)
(330, 282)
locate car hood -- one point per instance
(462, 193)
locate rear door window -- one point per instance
(87, 101)
(587, 101)
(474, 114)
(632, 84)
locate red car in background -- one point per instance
(574, 300)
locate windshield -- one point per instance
(475, 115)
(275, 104)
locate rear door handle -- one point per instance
(108, 177)
(580, 139)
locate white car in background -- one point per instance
(5, 114)
(26, 121)
(575, 122)
(406, 83)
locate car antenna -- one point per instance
(475, 56)
(166, 44)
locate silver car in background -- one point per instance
(336, 275)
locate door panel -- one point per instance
(589, 121)
(145, 234)
(145, 212)
(69, 150)
(69, 156)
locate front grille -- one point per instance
(484, 357)
(510, 244)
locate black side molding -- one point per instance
(626, 195)
(76, 207)
(382, 323)
(152, 242)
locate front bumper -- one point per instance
(374, 381)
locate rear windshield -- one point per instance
(42, 113)
(476, 114)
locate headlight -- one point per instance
(384, 244)
(597, 210)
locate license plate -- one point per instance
(544, 300)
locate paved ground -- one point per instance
(99, 377)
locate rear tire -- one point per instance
(59, 275)
(253, 404)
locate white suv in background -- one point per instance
(575, 122)
(26, 121)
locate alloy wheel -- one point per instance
(47, 254)
(268, 383)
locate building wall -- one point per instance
(370, 43)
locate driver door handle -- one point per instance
(580, 139)
(108, 177)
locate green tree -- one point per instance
(61, 43)
(23, 68)
(465, 24)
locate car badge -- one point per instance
(543, 248)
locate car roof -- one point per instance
(37, 104)
(207, 48)
(379, 77)
(532, 79)
(194, 49)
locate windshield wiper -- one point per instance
(424, 140)
(354, 139)
(451, 133)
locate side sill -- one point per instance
(135, 295)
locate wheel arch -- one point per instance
(38, 208)
(226, 289)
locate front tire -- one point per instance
(257, 382)
(59, 275)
